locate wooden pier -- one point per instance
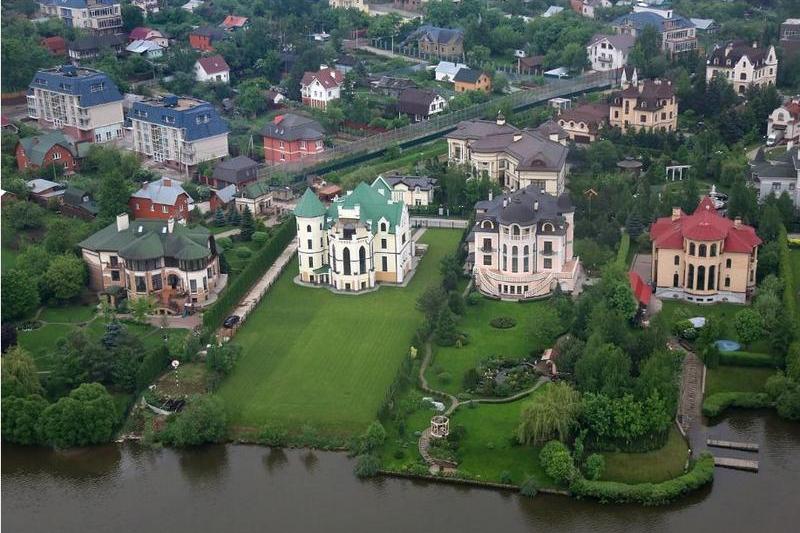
(736, 464)
(744, 446)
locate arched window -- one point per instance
(677, 260)
(515, 230)
(383, 226)
(362, 260)
(713, 250)
(525, 259)
(514, 260)
(727, 281)
(690, 278)
(308, 228)
(701, 278)
(691, 248)
(727, 263)
(712, 277)
(505, 257)
(487, 224)
(675, 280)
(702, 250)
(346, 261)
(547, 227)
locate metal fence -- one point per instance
(440, 123)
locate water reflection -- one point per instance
(310, 461)
(204, 465)
(275, 458)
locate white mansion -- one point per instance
(522, 245)
(361, 239)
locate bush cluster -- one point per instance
(503, 322)
(715, 404)
(749, 359)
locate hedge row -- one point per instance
(750, 359)
(622, 252)
(786, 274)
(716, 403)
(256, 267)
(648, 493)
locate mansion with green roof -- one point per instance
(361, 239)
(175, 264)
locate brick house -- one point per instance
(53, 148)
(161, 199)
(203, 38)
(319, 88)
(439, 41)
(291, 137)
(468, 79)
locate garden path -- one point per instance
(691, 393)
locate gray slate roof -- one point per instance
(160, 193)
(467, 75)
(236, 169)
(423, 182)
(525, 207)
(294, 127)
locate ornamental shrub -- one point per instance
(260, 237)
(505, 477)
(529, 487)
(557, 462)
(243, 252)
(715, 404)
(225, 243)
(503, 322)
(595, 464)
(367, 466)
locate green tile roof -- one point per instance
(309, 206)
(36, 147)
(372, 206)
(148, 239)
(255, 190)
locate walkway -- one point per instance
(435, 222)
(691, 395)
(260, 288)
(389, 53)
(228, 233)
(424, 439)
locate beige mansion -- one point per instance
(744, 65)
(521, 246)
(361, 239)
(512, 157)
(703, 257)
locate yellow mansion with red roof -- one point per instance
(703, 257)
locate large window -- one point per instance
(155, 280)
(141, 284)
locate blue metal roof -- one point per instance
(643, 19)
(92, 86)
(76, 4)
(198, 121)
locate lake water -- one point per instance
(247, 488)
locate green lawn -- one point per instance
(490, 448)
(311, 357)
(794, 256)
(484, 340)
(736, 379)
(71, 314)
(655, 466)
(41, 343)
(721, 312)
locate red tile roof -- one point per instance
(56, 44)
(705, 224)
(641, 290)
(233, 21)
(214, 64)
(328, 77)
(139, 33)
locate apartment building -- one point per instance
(83, 103)
(678, 34)
(97, 16)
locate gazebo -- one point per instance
(440, 426)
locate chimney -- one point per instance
(676, 213)
(501, 119)
(170, 224)
(536, 205)
(122, 222)
(737, 222)
(755, 44)
(490, 195)
(167, 182)
(144, 185)
(505, 202)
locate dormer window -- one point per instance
(97, 87)
(169, 119)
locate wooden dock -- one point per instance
(744, 446)
(736, 464)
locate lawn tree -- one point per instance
(603, 369)
(20, 295)
(431, 302)
(557, 462)
(86, 416)
(553, 414)
(21, 419)
(132, 17)
(446, 333)
(248, 224)
(451, 271)
(65, 277)
(19, 377)
(141, 306)
(748, 325)
(219, 217)
(221, 359)
(233, 217)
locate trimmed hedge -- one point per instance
(786, 274)
(717, 403)
(622, 252)
(503, 322)
(256, 267)
(749, 359)
(701, 473)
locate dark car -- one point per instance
(231, 321)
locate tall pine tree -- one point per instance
(248, 224)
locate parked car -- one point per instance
(231, 321)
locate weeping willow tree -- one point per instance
(553, 414)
